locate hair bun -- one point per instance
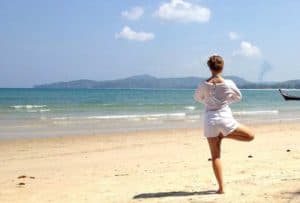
(215, 62)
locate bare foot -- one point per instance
(220, 191)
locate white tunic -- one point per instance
(217, 97)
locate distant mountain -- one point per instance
(150, 82)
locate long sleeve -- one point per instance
(236, 94)
(199, 94)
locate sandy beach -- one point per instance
(160, 166)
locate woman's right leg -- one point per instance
(242, 133)
(215, 150)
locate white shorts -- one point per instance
(219, 121)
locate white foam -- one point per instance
(271, 112)
(129, 117)
(37, 110)
(143, 116)
(152, 119)
(45, 110)
(28, 106)
(190, 108)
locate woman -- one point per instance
(217, 94)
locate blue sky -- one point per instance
(57, 40)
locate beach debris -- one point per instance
(209, 159)
(288, 150)
(250, 156)
(24, 176)
(20, 184)
(125, 174)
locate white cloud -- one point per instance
(233, 35)
(183, 11)
(134, 13)
(128, 33)
(248, 50)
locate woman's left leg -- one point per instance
(215, 149)
(241, 133)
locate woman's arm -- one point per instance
(236, 94)
(199, 94)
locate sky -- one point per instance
(60, 40)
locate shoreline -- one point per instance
(160, 166)
(171, 126)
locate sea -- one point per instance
(27, 113)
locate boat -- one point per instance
(286, 96)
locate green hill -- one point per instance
(150, 82)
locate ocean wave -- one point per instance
(190, 108)
(28, 106)
(44, 110)
(250, 113)
(143, 116)
(129, 117)
(37, 110)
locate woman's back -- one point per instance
(218, 95)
